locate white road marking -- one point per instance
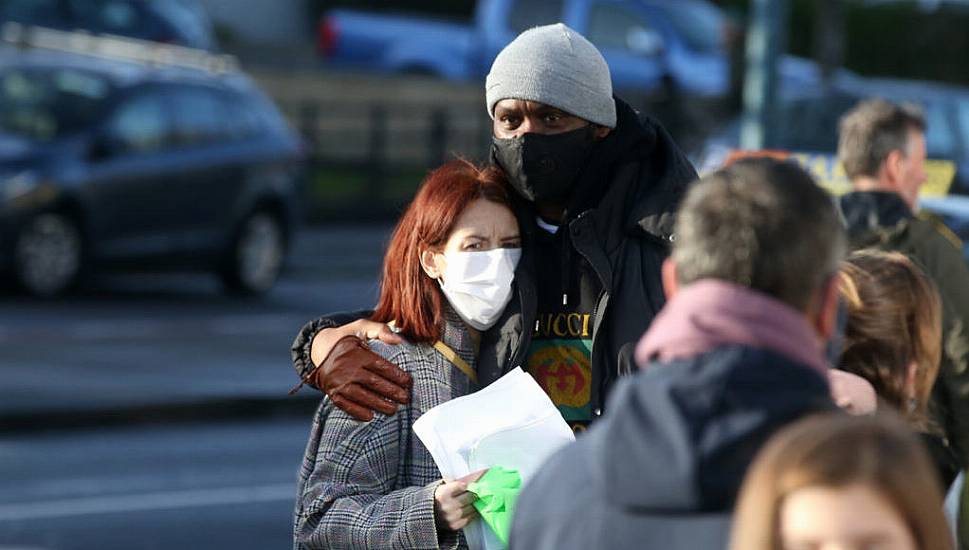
(146, 501)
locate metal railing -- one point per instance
(370, 157)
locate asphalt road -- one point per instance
(204, 486)
(130, 340)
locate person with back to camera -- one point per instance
(893, 338)
(845, 483)
(447, 276)
(737, 353)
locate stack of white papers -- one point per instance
(511, 423)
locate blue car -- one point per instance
(653, 47)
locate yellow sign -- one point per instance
(831, 175)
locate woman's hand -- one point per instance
(453, 508)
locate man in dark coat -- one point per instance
(735, 355)
(598, 186)
(882, 148)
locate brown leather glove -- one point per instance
(359, 381)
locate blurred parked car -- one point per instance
(105, 163)
(808, 126)
(180, 22)
(808, 121)
(652, 46)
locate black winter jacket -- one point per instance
(621, 220)
(665, 471)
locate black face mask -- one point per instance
(544, 167)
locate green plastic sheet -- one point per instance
(497, 492)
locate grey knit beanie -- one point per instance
(556, 66)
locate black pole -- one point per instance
(765, 45)
(376, 156)
(437, 138)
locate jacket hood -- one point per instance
(688, 429)
(867, 211)
(625, 140)
(636, 137)
(711, 313)
(654, 207)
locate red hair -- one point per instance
(408, 296)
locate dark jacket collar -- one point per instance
(711, 313)
(669, 174)
(622, 143)
(635, 176)
(866, 211)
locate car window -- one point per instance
(962, 121)
(811, 124)
(141, 125)
(244, 117)
(199, 116)
(617, 27)
(526, 14)
(45, 104)
(189, 19)
(699, 24)
(939, 141)
(121, 17)
(35, 12)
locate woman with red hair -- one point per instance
(447, 276)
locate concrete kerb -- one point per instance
(213, 410)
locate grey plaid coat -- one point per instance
(371, 484)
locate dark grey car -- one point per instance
(181, 22)
(115, 164)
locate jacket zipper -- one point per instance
(601, 302)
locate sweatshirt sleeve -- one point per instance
(300, 350)
(351, 494)
(348, 501)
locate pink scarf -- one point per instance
(711, 313)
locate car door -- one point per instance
(133, 179)
(630, 43)
(501, 22)
(694, 44)
(206, 148)
(45, 13)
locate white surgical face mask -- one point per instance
(478, 284)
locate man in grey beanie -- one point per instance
(598, 187)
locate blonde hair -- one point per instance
(838, 450)
(894, 320)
